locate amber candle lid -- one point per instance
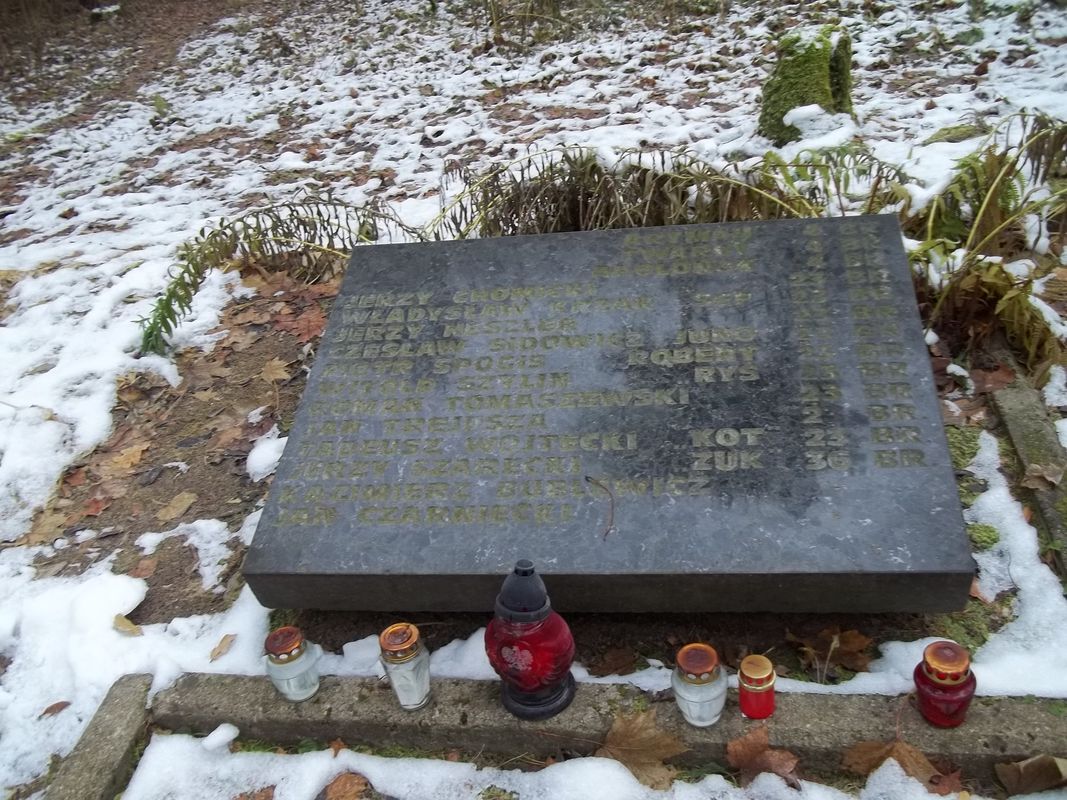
(282, 642)
(757, 669)
(947, 662)
(399, 641)
(698, 662)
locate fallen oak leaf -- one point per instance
(752, 754)
(54, 709)
(641, 746)
(124, 626)
(223, 647)
(177, 506)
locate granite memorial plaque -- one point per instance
(729, 417)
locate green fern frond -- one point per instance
(312, 234)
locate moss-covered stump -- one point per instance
(814, 68)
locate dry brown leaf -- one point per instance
(316, 291)
(637, 742)
(241, 340)
(127, 458)
(124, 626)
(752, 754)
(76, 477)
(1042, 476)
(1033, 775)
(223, 647)
(305, 327)
(227, 436)
(275, 371)
(337, 745)
(178, 505)
(348, 786)
(49, 525)
(946, 783)
(991, 380)
(145, 567)
(976, 593)
(865, 757)
(53, 709)
(964, 411)
(250, 316)
(95, 505)
(266, 793)
(833, 647)
(614, 661)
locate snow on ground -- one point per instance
(384, 111)
(179, 768)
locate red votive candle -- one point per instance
(755, 687)
(944, 684)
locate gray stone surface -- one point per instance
(1038, 446)
(468, 715)
(100, 763)
(714, 417)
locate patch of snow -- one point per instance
(62, 644)
(1055, 391)
(176, 767)
(208, 537)
(960, 372)
(220, 737)
(1034, 643)
(265, 454)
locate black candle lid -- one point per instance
(523, 597)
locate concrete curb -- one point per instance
(1034, 438)
(468, 715)
(98, 766)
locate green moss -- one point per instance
(1056, 707)
(280, 617)
(812, 69)
(962, 444)
(983, 536)
(972, 626)
(640, 704)
(496, 793)
(969, 36)
(958, 133)
(698, 773)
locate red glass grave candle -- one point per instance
(755, 687)
(530, 647)
(944, 684)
